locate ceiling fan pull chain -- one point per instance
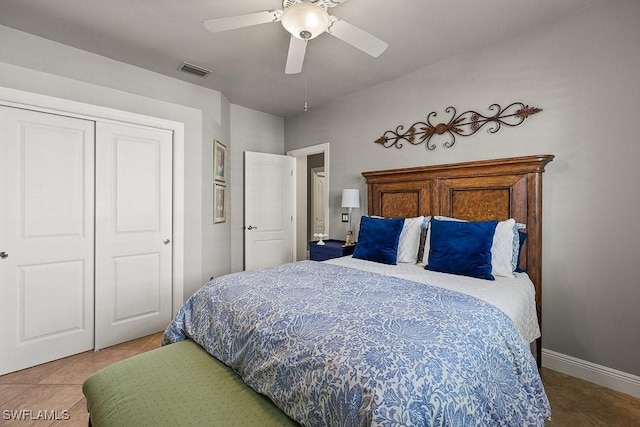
(305, 83)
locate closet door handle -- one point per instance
(251, 227)
(166, 242)
(3, 255)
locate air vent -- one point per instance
(194, 69)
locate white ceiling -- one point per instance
(248, 63)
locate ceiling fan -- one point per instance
(305, 20)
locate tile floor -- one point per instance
(57, 386)
(575, 402)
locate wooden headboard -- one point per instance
(476, 191)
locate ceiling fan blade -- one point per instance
(356, 37)
(240, 21)
(295, 57)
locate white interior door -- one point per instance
(46, 237)
(269, 210)
(317, 200)
(133, 232)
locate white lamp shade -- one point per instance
(350, 198)
(307, 17)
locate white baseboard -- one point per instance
(598, 374)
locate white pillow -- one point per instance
(410, 239)
(502, 249)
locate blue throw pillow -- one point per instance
(522, 236)
(378, 239)
(462, 248)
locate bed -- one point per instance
(356, 341)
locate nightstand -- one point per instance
(331, 249)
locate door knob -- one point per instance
(166, 242)
(3, 255)
(251, 227)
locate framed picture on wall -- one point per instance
(219, 159)
(219, 193)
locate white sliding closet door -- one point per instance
(46, 237)
(133, 232)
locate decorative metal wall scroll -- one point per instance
(463, 124)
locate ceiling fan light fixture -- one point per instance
(305, 20)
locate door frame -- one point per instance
(48, 104)
(301, 193)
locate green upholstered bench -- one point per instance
(176, 385)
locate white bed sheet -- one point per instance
(514, 296)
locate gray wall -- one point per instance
(583, 71)
(251, 130)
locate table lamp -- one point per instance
(350, 200)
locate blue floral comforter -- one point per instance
(335, 346)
